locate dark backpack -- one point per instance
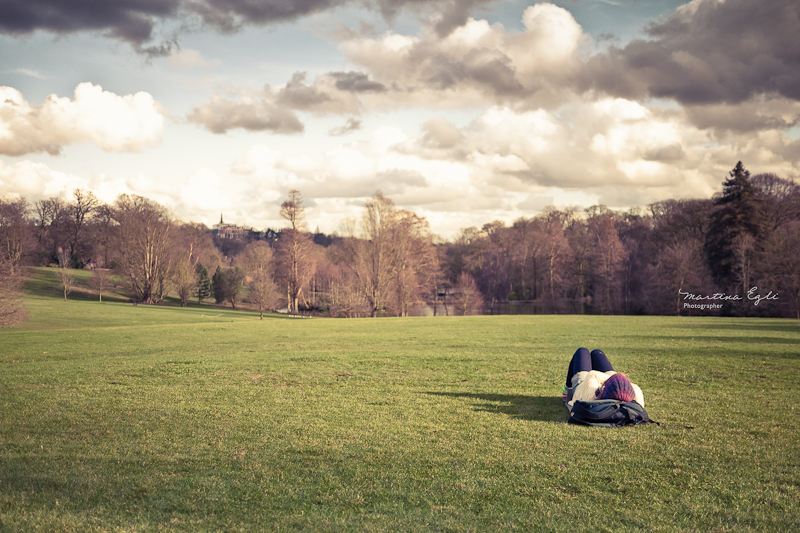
(608, 413)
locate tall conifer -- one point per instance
(734, 229)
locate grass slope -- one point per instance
(116, 417)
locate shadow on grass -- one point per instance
(542, 408)
(43, 282)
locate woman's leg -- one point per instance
(581, 361)
(600, 361)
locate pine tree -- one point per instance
(218, 285)
(734, 229)
(227, 285)
(203, 283)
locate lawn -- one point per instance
(116, 417)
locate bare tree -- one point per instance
(11, 308)
(100, 282)
(80, 212)
(743, 247)
(781, 268)
(580, 240)
(370, 256)
(607, 260)
(296, 250)
(340, 293)
(184, 278)
(676, 270)
(678, 220)
(263, 292)
(197, 241)
(15, 233)
(468, 298)
(65, 276)
(257, 263)
(345, 298)
(51, 227)
(414, 259)
(782, 198)
(528, 237)
(555, 253)
(143, 239)
(16, 241)
(496, 270)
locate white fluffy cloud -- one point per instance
(611, 145)
(115, 123)
(546, 64)
(36, 181)
(475, 61)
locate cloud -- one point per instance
(439, 133)
(506, 161)
(608, 144)
(759, 113)
(356, 82)
(352, 124)
(206, 191)
(709, 52)
(475, 61)
(327, 94)
(351, 170)
(503, 165)
(36, 181)
(220, 115)
(115, 123)
(742, 80)
(613, 150)
(129, 20)
(31, 73)
(230, 15)
(139, 23)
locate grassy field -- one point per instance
(116, 417)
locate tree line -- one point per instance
(733, 254)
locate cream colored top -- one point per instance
(586, 386)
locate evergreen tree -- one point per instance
(218, 285)
(234, 284)
(227, 285)
(203, 283)
(734, 229)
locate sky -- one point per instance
(462, 111)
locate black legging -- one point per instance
(585, 361)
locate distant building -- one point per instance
(241, 233)
(230, 231)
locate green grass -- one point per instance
(116, 417)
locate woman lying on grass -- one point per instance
(591, 377)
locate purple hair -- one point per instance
(618, 387)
